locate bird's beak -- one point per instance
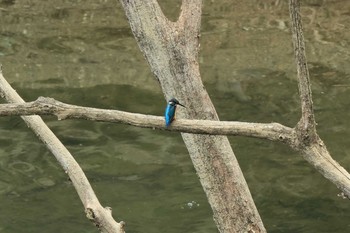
(182, 105)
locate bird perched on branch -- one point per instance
(170, 111)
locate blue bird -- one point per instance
(170, 111)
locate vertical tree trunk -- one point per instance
(171, 48)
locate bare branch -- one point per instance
(311, 146)
(101, 217)
(316, 153)
(318, 156)
(49, 106)
(306, 127)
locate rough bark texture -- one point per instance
(171, 48)
(306, 127)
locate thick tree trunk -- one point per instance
(171, 48)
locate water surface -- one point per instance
(83, 53)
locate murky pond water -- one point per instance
(83, 53)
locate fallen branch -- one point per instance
(100, 216)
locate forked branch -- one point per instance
(312, 147)
(171, 49)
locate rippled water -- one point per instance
(84, 53)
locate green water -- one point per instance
(84, 53)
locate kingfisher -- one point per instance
(170, 111)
